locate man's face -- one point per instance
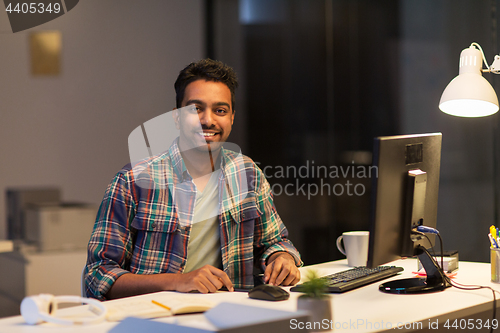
(209, 126)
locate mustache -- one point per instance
(212, 127)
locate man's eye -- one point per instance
(221, 111)
(191, 109)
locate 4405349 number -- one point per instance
(33, 8)
(471, 324)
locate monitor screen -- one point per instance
(404, 195)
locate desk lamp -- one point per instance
(470, 94)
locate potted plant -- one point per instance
(316, 301)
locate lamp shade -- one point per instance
(469, 94)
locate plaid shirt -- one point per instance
(144, 221)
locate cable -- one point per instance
(482, 53)
(442, 253)
(420, 231)
(457, 285)
(424, 229)
(476, 287)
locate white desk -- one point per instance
(361, 310)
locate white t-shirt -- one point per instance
(204, 238)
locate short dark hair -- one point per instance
(209, 70)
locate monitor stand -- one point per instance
(436, 280)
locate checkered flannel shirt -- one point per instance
(144, 221)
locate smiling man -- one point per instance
(198, 217)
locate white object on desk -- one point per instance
(364, 309)
(225, 317)
(356, 247)
(230, 315)
(43, 307)
(164, 305)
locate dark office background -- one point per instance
(319, 79)
(323, 78)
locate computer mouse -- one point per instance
(269, 292)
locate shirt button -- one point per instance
(243, 215)
(153, 225)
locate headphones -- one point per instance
(37, 309)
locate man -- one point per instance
(196, 217)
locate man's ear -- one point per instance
(175, 115)
(232, 117)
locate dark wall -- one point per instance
(318, 89)
(323, 78)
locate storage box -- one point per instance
(27, 273)
(17, 201)
(63, 226)
(450, 261)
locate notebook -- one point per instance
(160, 306)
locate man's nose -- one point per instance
(206, 117)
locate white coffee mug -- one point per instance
(356, 247)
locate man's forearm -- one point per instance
(206, 279)
(136, 284)
(273, 256)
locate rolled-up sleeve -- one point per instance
(270, 233)
(110, 246)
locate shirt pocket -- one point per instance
(158, 244)
(246, 210)
(156, 220)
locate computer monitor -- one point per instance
(405, 178)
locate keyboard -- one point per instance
(356, 277)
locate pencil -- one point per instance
(162, 305)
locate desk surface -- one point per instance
(361, 310)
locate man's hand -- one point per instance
(206, 279)
(281, 270)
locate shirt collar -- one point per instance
(178, 163)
